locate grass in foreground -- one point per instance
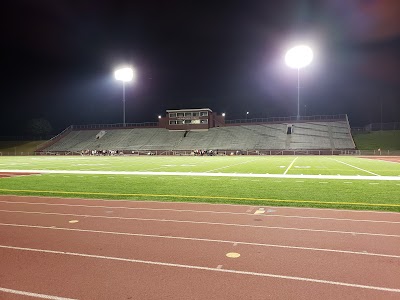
(356, 194)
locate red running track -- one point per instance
(160, 250)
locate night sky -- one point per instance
(58, 59)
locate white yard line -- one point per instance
(30, 294)
(192, 267)
(288, 168)
(245, 162)
(202, 222)
(197, 211)
(355, 167)
(204, 174)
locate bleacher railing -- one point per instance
(289, 119)
(113, 126)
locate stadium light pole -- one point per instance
(297, 58)
(124, 74)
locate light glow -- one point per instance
(124, 74)
(299, 57)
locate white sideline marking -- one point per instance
(202, 222)
(355, 167)
(291, 164)
(205, 174)
(369, 287)
(29, 294)
(235, 243)
(197, 211)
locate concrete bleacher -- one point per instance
(305, 135)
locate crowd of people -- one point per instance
(101, 152)
(204, 152)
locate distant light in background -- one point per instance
(159, 117)
(297, 58)
(124, 74)
(223, 114)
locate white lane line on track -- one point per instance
(291, 164)
(304, 279)
(202, 222)
(200, 204)
(235, 243)
(200, 211)
(205, 174)
(354, 167)
(35, 295)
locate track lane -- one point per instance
(216, 208)
(338, 267)
(91, 278)
(351, 242)
(241, 219)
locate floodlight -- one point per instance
(124, 74)
(299, 57)
(159, 117)
(223, 114)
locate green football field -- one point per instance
(311, 181)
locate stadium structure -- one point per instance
(183, 131)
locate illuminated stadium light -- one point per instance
(223, 114)
(124, 74)
(159, 117)
(297, 58)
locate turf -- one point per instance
(321, 192)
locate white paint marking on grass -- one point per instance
(192, 267)
(291, 164)
(204, 223)
(355, 167)
(250, 209)
(204, 174)
(245, 162)
(30, 294)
